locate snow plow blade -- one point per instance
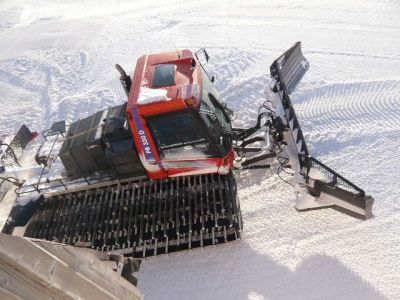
(317, 185)
(326, 188)
(291, 67)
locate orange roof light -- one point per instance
(190, 102)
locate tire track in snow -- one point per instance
(245, 97)
(230, 65)
(33, 76)
(240, 92)
(11, 17)
(57, 78)
(356, 105)
(74, 107)
(12, 99)
(355, 54)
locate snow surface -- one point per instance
(56, 62)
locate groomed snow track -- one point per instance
(143, 218)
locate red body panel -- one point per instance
(187, 87)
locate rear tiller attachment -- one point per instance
(10, 152)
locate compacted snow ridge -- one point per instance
(57, 62)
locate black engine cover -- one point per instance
(101, 142)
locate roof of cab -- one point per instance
(167, 77)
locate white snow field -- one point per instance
(57, 62)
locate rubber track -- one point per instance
(143, 218)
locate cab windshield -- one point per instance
(179, 136)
